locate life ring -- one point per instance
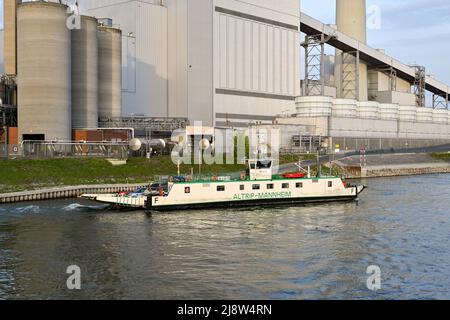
(243, 176)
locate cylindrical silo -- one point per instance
(9, 34)
(110, 72)
(407, 113)
(424, 115)
(314, 106)
(351, 18)
(388, 111)
(44, 71)
(351, 21)
(346, 108)
(440, 116)
(368, 110)
(85, 74)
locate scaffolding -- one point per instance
(440, 101)
(419, 85)
(350, 75)
(8, 109)
(315, 63)
(391, 73)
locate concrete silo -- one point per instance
(110, 72)
(351, 20)
(85, 74)
(9, 18)
(44, 71)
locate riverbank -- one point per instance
(393, 165)
(28, 180)
(26, 175)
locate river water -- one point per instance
(401, 225)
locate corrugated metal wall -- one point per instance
(144, 53)
(191, 51)
(257, 57)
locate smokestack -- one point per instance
(351, 20)
(10, 37)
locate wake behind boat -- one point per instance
(257, 187)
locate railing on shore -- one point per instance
(66, 192)
(58, 149)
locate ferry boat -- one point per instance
(257, 187)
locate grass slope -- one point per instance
(441, 156)
(17, 175)
(24, 174)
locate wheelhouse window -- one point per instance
(330, 184)
(260, 164)
(285, 185)
(256, 187)
(264, 165)
(242, 187)
(270, 186)
(187, 190)
(299, 185)
(220, 188)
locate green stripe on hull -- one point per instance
(250, 203)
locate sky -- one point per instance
(412, 31)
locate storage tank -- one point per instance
(110, 72)
(407, 113)
(368, 109)
(314, 106)
(44, 71)
(346, 108)
(351, 20)
(424, 115)
(440, 116)
(388, 111)
(85, 74)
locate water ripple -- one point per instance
(312, 252)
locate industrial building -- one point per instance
(163, 64)
(56, 78)
(233, 63)
(371, 100)
(211, 61)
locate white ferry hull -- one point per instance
(190, 196)
(117, 201)
(250, 203)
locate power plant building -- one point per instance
(222, 62)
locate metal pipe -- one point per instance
(110, 129)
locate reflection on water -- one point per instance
(400, 224)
